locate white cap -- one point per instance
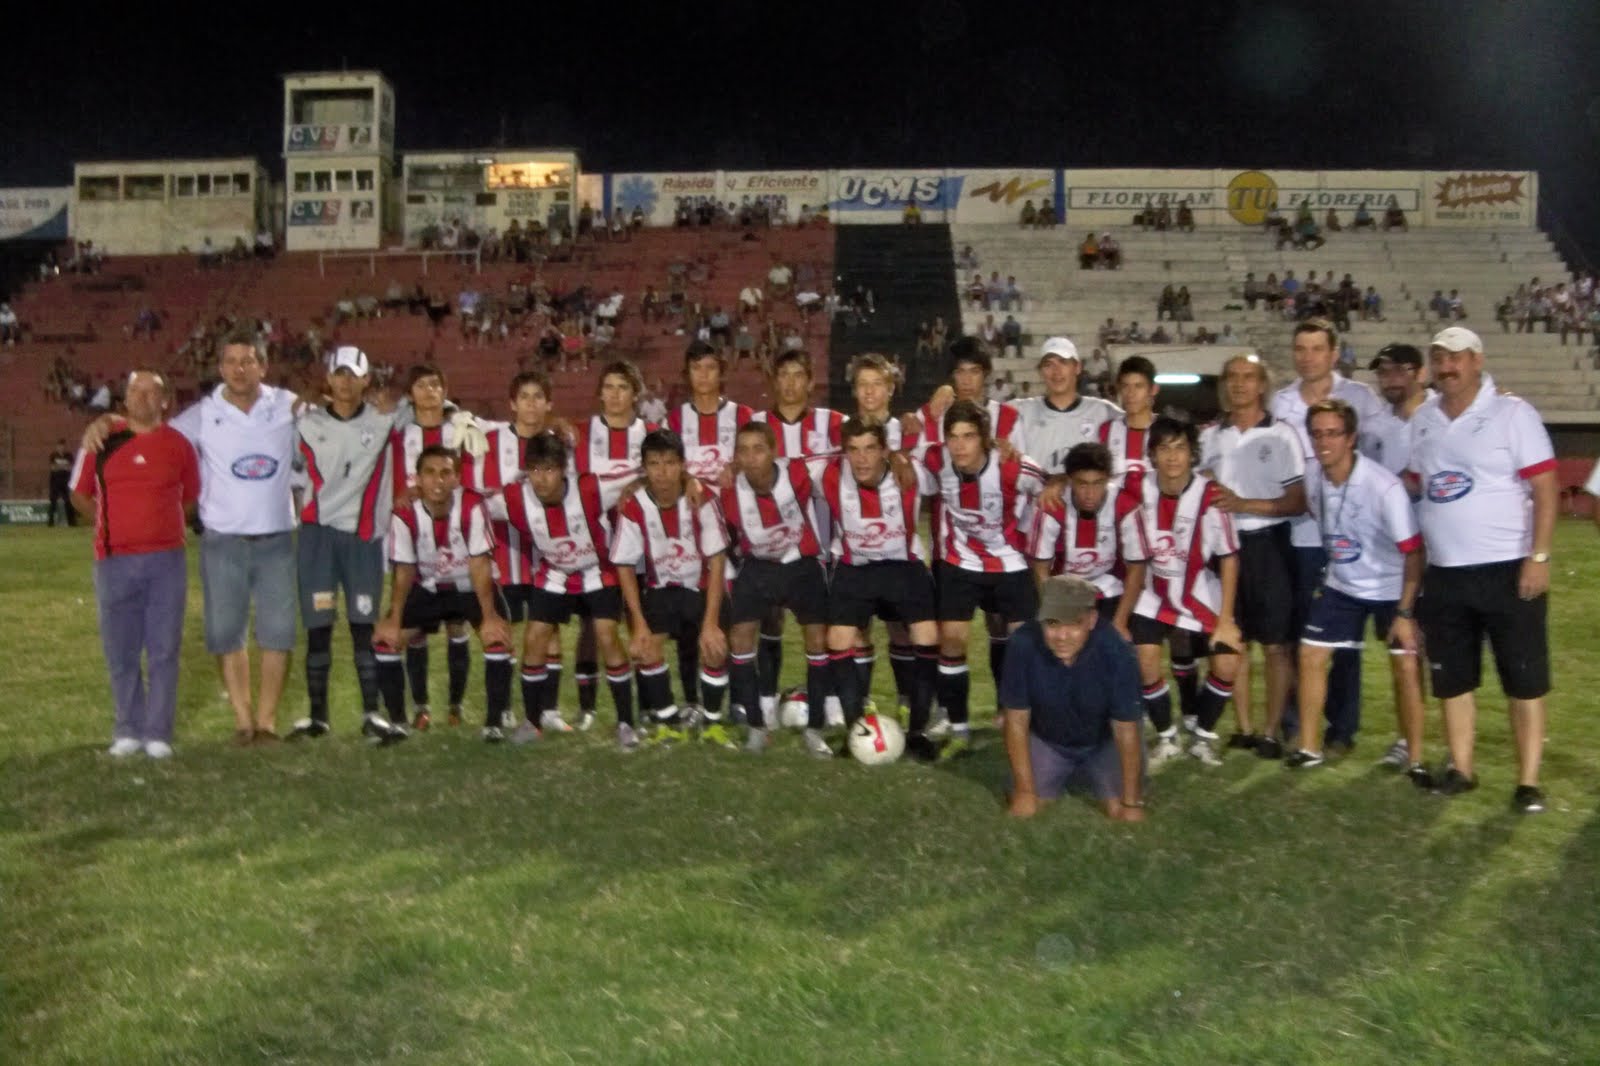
(1060, 348)
(1457, 339)
(349, 357)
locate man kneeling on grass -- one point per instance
(1072, 706)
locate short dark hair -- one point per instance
(658, 441)
(793, 355)
(698, 350)
(240, 335)
(1319, 325)
(425, 370)
(622, 369)
(1333, 406)
(854, 427)
(1167, 428)
(546, 449)
(967, 411)
(968, 350)
(435, 451)
(760, 429)
(1091, 455)
(1137, 364)
(530, 377)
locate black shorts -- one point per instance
(555, 608)
(1266, 604)
(763, 585)
(961, 593)
(892, 590)
(677, 612)
(518, 600)
(1461, 605)
(425, 610)
(1182, 641)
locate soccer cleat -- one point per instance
(1245, 741)
(397, 733)
(525, 733)
(1164, 750)
(1204, 751)
(1268, 748)
(1303, 760)
(310, 728)
(755, 741)
(627, 738)
(920, 748)
(160, 749)
(1397, 756)
(123, 747)
(717, 733)
(1420, 775)
(1191, 722)
(666, 734)
(423, 720)
(1454, 783)
(375, 728)
(421, 710)
(1527, 799)
(959, 745)
(454, 718)
(493, 734)
(551, 722)
(938, 722)
(816, 747)
(585, 721)
(902, 714)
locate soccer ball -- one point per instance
(794, 711)
(877, 740)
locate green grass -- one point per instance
(445, 902)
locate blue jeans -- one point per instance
(141, 600)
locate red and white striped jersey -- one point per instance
(440, 547)
(500, 468)
(1005, 423)
(668, 545)
(898, 439)
(568, 539)
(1085, 544)
(1177, 537)
(778, 526)
(409, 440)
(814, 436)
(871, 523)
(977, 518)
(708, 439)
(1130, 451)
(611, 455)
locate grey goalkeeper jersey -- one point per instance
(347, 470)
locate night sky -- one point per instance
(1466, 85)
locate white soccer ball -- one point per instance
(794, 711)
(877, 740)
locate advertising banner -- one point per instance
(24, 512)
(658, 195)
(881, 196)
(789, 189)
(333, 223)
(1220, 197)
(329, 137)
(1112, 197)
(1486, 198)
(995, 196)
(34, 214)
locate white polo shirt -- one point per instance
(246, 459)
(1388, 440)
(1476, 507)
(1368, 527)
(1259, 463)
(1290, 407)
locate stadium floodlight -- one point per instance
(1177, 379)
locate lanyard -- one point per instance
(1344, 494)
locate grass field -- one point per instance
(447, 902)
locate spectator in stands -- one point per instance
(10, 325)
(1097, 372)
(938, 335)
(912, 215)
(977, 292)
(1012, 296)
(780, 278)
(1457, 309)
(994, 291)
(610, 309)
(720, 325)
(1183, 308)
(1089, 253)
(968, 259)
(1011, 336)
(1306, 232)
(1163, 221)
(989, 335)
(1109, 333)
(1047, 215)
(1167, 302)
(1274, 220)
(792, 340)
(1371, 306)
(1573, 320)
(1291, 284)
(1439, 306)
(1363, 219)
(1159, 335)
(1505, 311)
(100, 401)
(1133, 334)
(1110, 252)
(1226, 336)
(1252, 290)
(750, 299)
(208, 254)
(1030, 215)
(1331, 221)
(744, 342)
(1185, 217)
(1394, 218)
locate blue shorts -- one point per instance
(1336, 620)
(236, 569)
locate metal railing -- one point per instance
(389, 255)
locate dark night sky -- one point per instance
(1470, 84)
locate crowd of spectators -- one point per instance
(1133, 333)
(1043, 217)
(994, 294)
(1298, 300)
(1099, 253)
(1570, 310)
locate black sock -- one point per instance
(818, 688)
(319, 663)
(552, 689)
(655, 687)
(1158, 705)
(953, 684)
(866, 656)
(534, 683)
(1214, 696)
(619, 680)
(689, 668)
(392, 682)
(417, 670)
(846, 683)
(769, 663)
(745, 688)
(713, 687)
(1188, 679)
(924, 679)
(587, 677)
(496, 685)
(903, 661)
(458, 664)
(366, 666)
(997, 658)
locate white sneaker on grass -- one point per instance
(1165, 749)
(158, 749)
(817, 747)
(552, 722)
(123, 747)
(1398, 755)
(627, 738)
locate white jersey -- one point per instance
(1289, 407)
(1130, 452)
(668, 546)
(568, 538)
(246, 461)
(1177, 537)
(1368, 527)
(1088, 545)
(978, 519)
(440, 548)
(871, 524)
(814, 436)
(611, 455)
(1005, 423)
(1259, 463)
(1476, 506)
(708, 439)
(1052, 432)
(776, 526)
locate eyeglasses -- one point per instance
(1326, 434)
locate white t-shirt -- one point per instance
(246, 458)
(1290, 407)
(1368, 528)
(1476, 506)
(1259, 463)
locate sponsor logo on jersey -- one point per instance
(1448, 485)
(1341, 549)
(255, 467)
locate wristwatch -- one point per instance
(1540, 557)
(1405, 612)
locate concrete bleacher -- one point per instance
(85, 319)
(1405, 268)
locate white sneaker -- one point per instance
(123, 747)
(833, 713)
(938, 722)
(1164, 750)
(769, 709)
(1191, 723)
(585, 721)
(755, 741)
(1398, 755)
(552, 722)
(158, 749)
(816, 747)
(1203, 749)
(525, 733)
(627, 739)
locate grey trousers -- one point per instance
(142, 600)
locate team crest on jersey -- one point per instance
(254, 467)
(1341, 549)
(1448, 485)
(1083, 562)
(367, 437)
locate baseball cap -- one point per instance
(1059, 348)
(1457, 339)
(1066, 598)
(1399, 354)
(349, 357)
